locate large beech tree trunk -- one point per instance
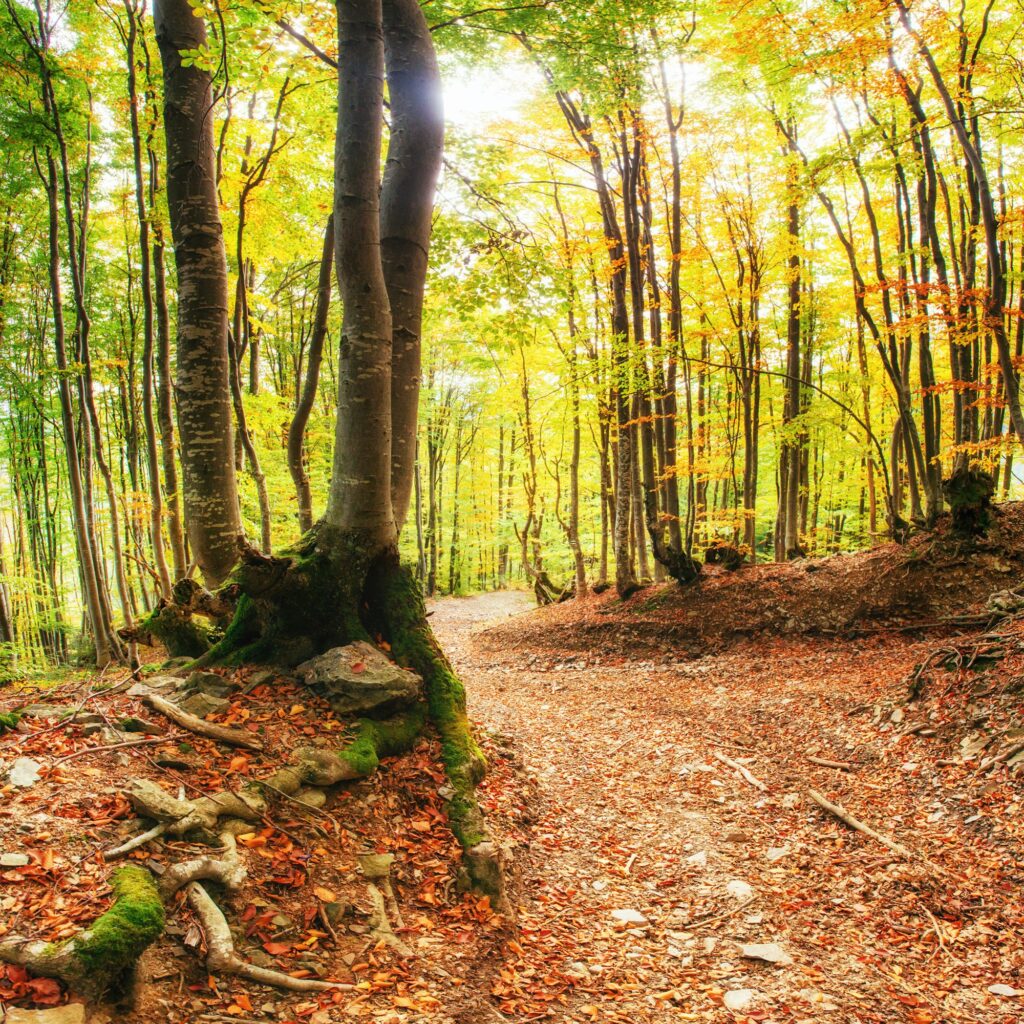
(203, 387)
(342, 581)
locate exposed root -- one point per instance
(223, 733)
(222, 959)
(399, 601)
(101, 957)
(380, 925)
(227, 869)
(135, 842)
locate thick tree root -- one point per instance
(227, 869)
(325, 592)
(222, 959)
(102, 957)
(313, 766)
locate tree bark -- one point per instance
(407, 192)
(203, 384)
(297, 428)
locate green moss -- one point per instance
(9, 720)
(304, 600)
(397, 596)
(181, 633)
(115, 941)
(374, 740)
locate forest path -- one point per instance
(635, 813)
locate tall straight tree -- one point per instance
(203, 388)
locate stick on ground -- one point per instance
(736, 766)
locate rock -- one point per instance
(376, 865)
(44, 711)
(1006, 990)
(140, 725)
(359, 679)
(210, 683)
(791, 801)
(738, 999)
(769, 952)
(14, 860)
(202, 705)
(315, 798)
(73, 1013)
(160, 685)
(24, 772)
(335, 912)
(775, 853)
(176, 764)
(897, 716)
(698, 859)
(630, 917)
(738, 889)
(736, 836)
(261, 677)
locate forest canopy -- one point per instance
(703, 276)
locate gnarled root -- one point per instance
(227, 869)
(313, 766)
(221, 957)
(100, 958)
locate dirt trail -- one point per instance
(634, 813)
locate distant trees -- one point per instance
(700, 291)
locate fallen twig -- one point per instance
(753, 780)
(145, 742)
(840, 812)
(843, 766)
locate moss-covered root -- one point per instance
(174, 626)
(374, 740)
(396, 597)
(100, 959)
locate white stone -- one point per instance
(1006, 990)
(770, 952)
(14, 860)
(698, 859)
(633, 917)
(24, 772)
(739, 889)
(776, 853)
(738, 999)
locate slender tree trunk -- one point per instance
(297, 428)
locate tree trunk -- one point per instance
(297, 428)
(203, 384)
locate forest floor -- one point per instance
(651, 779)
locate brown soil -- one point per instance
(933, 578)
